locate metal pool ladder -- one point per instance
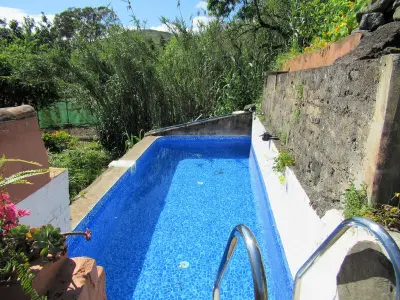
(257, 267)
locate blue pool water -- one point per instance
(179, 206)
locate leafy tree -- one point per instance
(30, 53)
(115, 79)
(88, 24)
(26, 68)
(270, 15)
(26, 76)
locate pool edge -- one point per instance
(271, 213)
(90, 197)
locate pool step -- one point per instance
(257, 267)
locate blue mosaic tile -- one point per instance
(177, 208)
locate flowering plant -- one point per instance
(19, 243)
(9, 213)
(59, 141)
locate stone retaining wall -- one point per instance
(341, 124)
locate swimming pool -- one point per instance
(161, 230)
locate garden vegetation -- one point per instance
(133, 79)
(85, 161)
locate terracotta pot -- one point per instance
(45, 272)
(12, 291)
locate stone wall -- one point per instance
(377, 13)
(326, 116)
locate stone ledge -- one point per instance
(235, 124)
(16, 113)
(80, 278)
(325, 56)
(54, 172)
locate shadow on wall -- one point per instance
(366, 273)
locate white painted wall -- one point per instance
(49, 204)
(300, 228)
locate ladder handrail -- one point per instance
(387, 241)
(257, 266)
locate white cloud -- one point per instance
(201, 20)
(161, 27)
(202, 5)
(10, 13)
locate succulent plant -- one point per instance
(48, 240)
(17, 237)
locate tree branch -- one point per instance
(266, 25)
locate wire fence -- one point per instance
(65, 114)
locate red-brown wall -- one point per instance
(324, 57)
(20, 137)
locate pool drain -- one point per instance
(183, 265)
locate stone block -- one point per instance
(372, 21)
(375, 6)
(366, 273)
(396, 14)
(79, 279)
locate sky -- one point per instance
(150, 10)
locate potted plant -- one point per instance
(21, 247)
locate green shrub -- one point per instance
(356, 205)
(356, 201)
(115, 79)
(130, 141)
(386, 215)
(84, 164)
(319, 23)
(59, 141)
(283, 160)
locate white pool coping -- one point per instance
(301, 229)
